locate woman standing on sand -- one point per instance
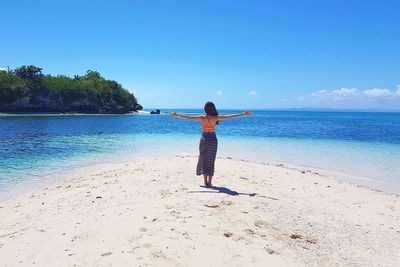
(208, 141)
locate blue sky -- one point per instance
(239, 54)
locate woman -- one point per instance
(208, 141)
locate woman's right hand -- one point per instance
(247, 113)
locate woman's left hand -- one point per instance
(173, 114)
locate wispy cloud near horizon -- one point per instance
(356, 94)
(350, 98)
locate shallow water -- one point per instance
(365, 145)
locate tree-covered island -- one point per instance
(26, 89)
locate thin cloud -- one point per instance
(252, 93)
(354, 93)
(219, 93)
(338, 94)
(377, 92)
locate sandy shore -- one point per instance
(153, 212)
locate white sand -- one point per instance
(153, 212)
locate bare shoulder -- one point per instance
(201, 117)
(215, 119)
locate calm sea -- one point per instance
(361, 147)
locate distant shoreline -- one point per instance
(167, 110)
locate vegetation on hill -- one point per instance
(26, 89)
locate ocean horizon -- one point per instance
(359, 147)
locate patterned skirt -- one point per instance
(208, 152)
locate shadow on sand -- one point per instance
(224, 190)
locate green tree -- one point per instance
(12, 88)
(88, 93)
(28, 72)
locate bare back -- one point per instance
(208, 123)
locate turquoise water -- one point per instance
(362, 147)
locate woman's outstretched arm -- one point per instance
(226, 117)
(193, 118)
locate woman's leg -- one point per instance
(205, 180)
(209, 181)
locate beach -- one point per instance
(153, 211)
(109, 110)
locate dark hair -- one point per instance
(210, 109)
